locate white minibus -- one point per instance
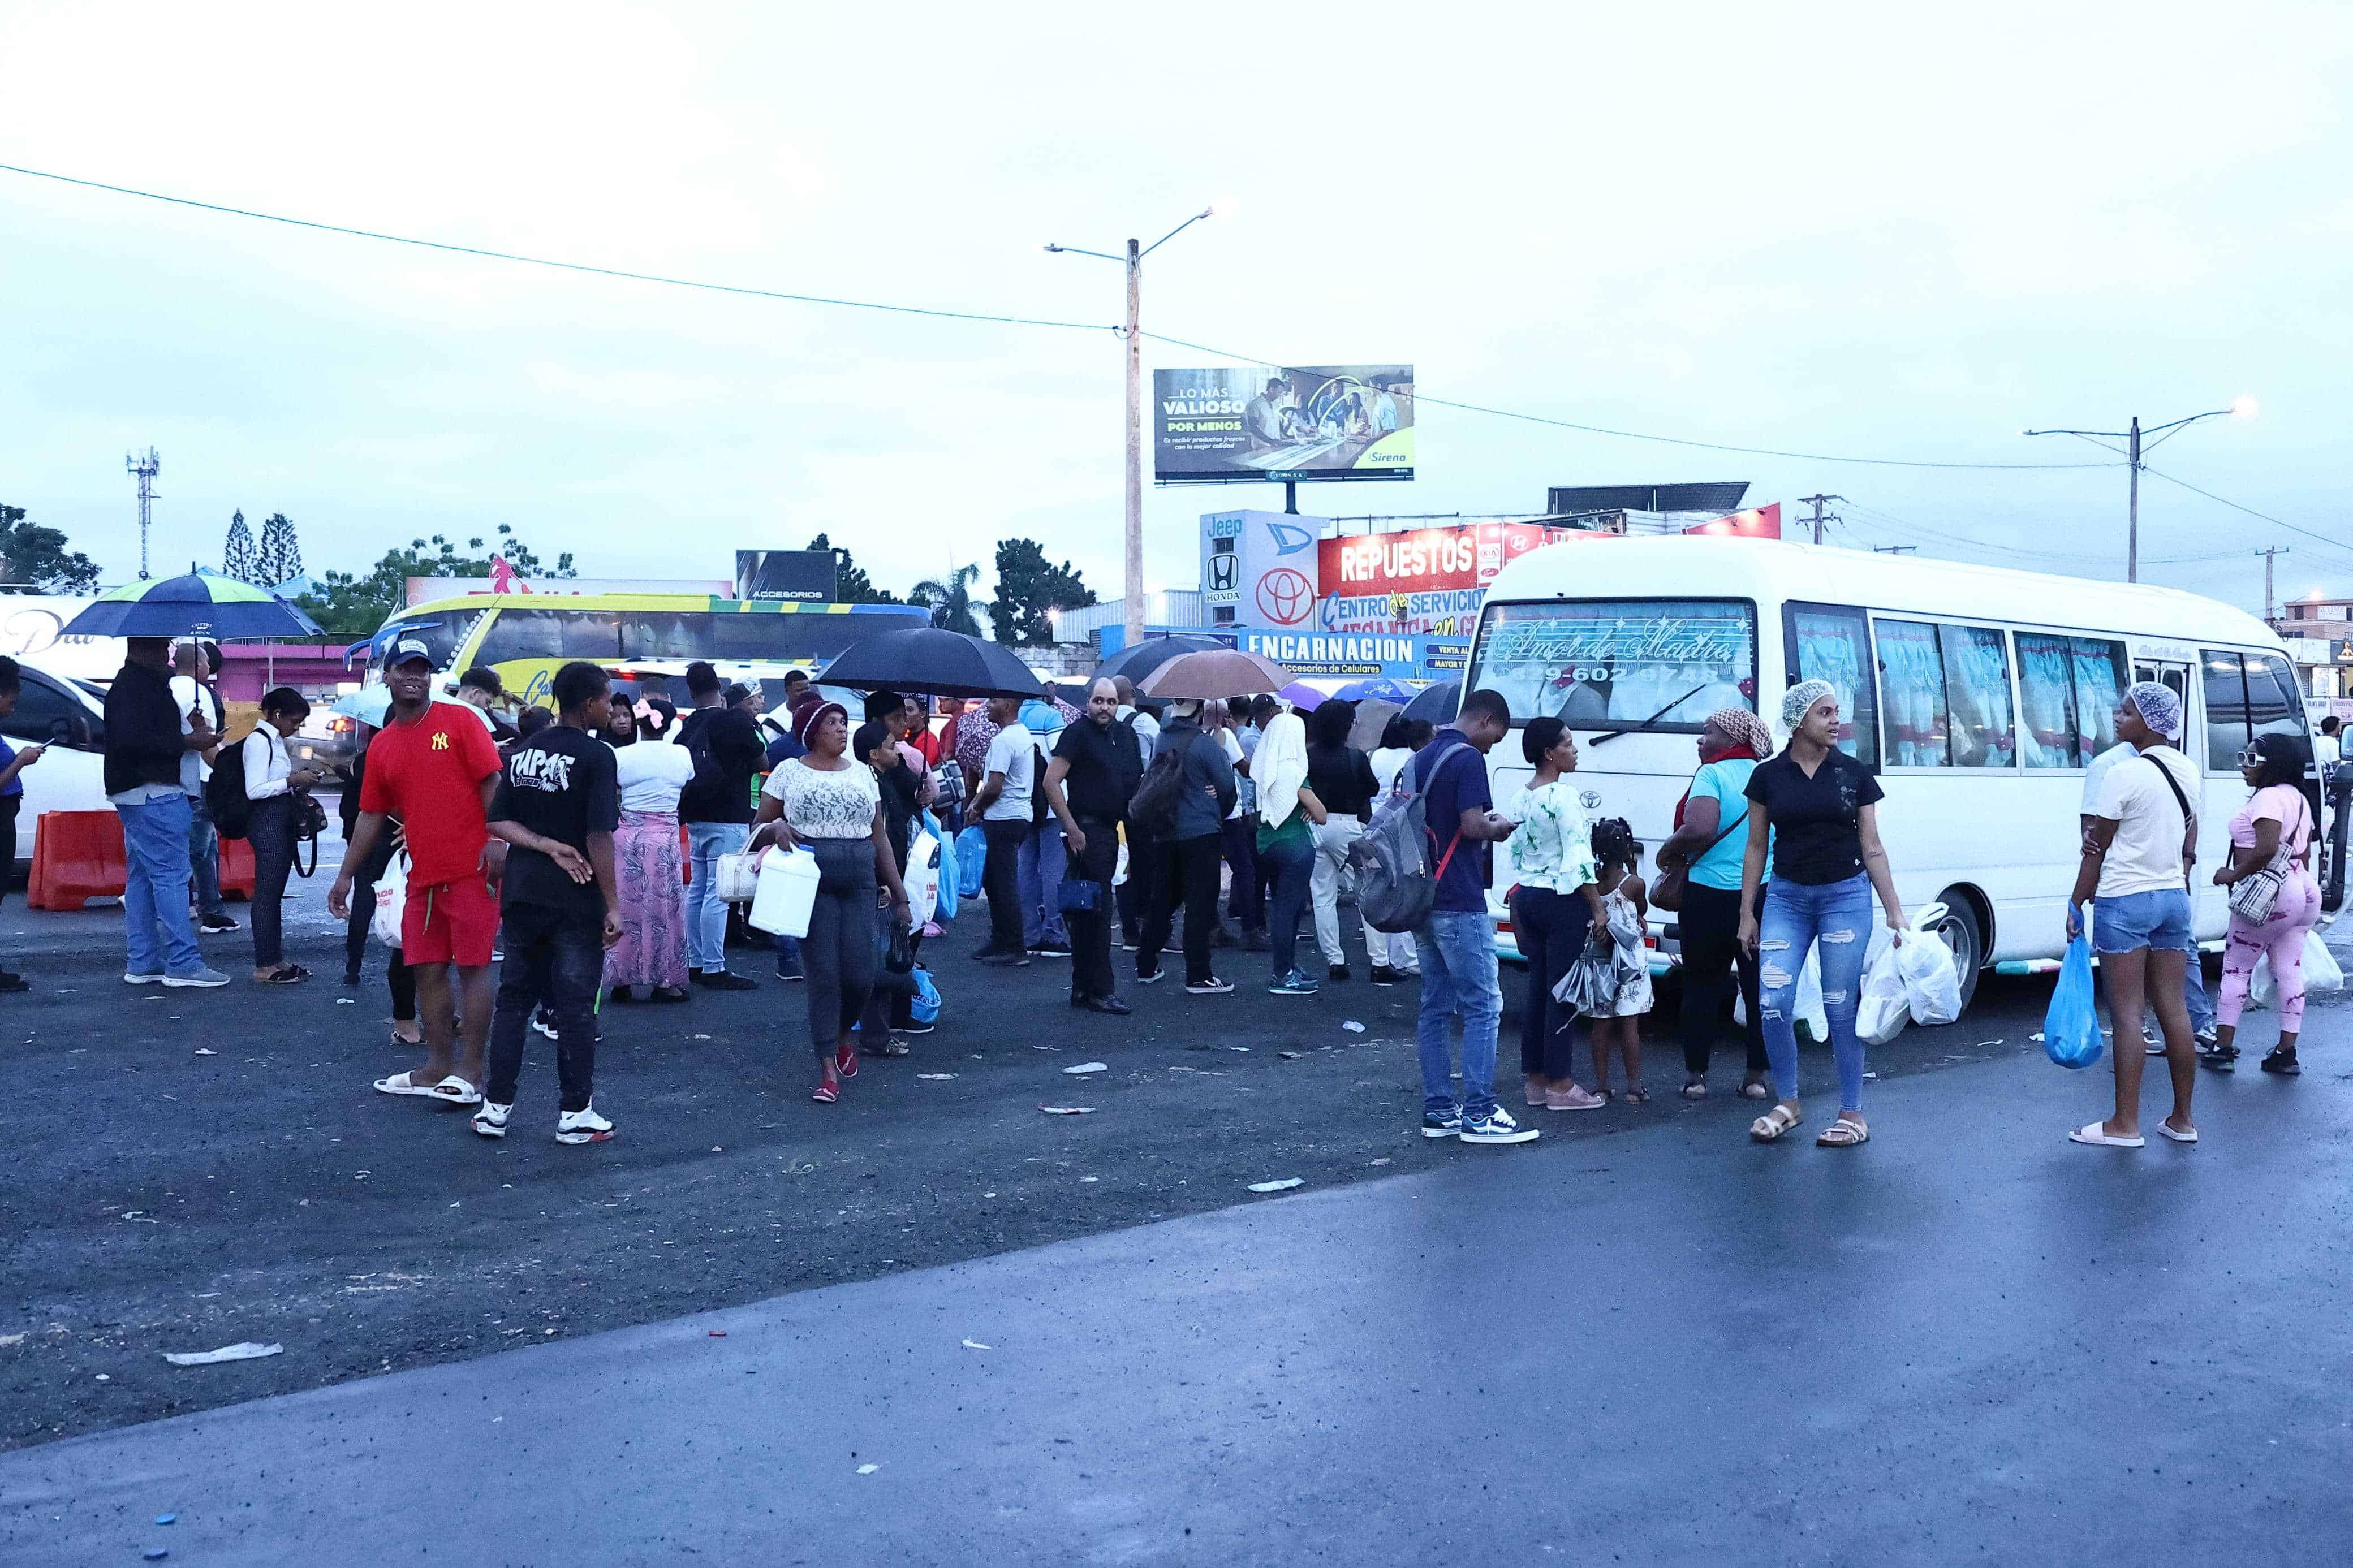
(1976, 693)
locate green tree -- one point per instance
(1027, 586)
(950, 600)
(236, 550)
(356, 605)
(35, 558)
(853, 587)
(278, 556)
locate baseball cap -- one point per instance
(405, 649)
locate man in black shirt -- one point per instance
(1096, 767)
(716, 807)
(144, 745)
(556, 806)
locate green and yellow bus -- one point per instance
(527, 637)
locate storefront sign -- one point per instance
(1426, 558)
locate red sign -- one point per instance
(1427, 559)
(1285, 596)
(1757, 523)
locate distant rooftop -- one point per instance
(1715, 496)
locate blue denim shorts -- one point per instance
(2157, 920)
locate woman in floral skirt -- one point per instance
(652, 952)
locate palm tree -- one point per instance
(950, 600)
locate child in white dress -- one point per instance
(1617, 1034)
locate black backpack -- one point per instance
(1153, 809)
(1041, 814)
(700, 793)
(232, 813)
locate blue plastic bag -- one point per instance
(2070, 1028)
(945, 909)
(971, 851)
(925, 1005)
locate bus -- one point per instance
(527, 637)
(1976, 694)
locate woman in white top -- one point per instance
(273, 785)
(1556, 908)
(829, 804)
(646, 870)
(1392, 954)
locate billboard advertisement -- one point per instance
(1427, 559)
(1275, 422)
(1357, 658)
(801, 575)
(1260, 565)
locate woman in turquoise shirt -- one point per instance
(1707, 839)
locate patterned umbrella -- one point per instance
(198, 605)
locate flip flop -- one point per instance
(826, 1093)
(2189, 1137)
(398, 1083)
(2096, 1133)
(456, 1090)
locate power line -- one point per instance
(2251, 511)
(488, 254)
(561, 266)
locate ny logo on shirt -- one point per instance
(533, 769)
(440, 739)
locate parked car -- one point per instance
(58, 711)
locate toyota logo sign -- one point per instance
(1285, 595)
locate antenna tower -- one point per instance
(146, 465)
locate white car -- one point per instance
(66, 717)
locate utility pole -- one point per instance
(2132, 507)
(1131, 583)
(146, 465)
(1820, 517)
(2267, 555)
(2240, 408)
(1895, 550)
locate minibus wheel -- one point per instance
(1963, 931)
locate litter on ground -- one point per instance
(1284, 1186)
(1088, 1067)
(246, 1349)
(935, 1076)
(1068, 1110)
(976, 1346)
(867, 1470)
(1353, 1026)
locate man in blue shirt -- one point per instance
(1458, 939)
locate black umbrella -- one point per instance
(928, 659)
(1440, 704)
(1138, 660)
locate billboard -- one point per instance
(1352, 657)
(1274, 423)
(1260, 565)
(805, 576)
(1427, 559)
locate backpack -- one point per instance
(1041, 814)
(232, 813)
(1152, 808)
(701, 792)
(1395, 881)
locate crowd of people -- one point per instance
(589, 850)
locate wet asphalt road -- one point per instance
(165, 1199)
(1968, 1341)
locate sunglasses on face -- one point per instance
(2250, 760)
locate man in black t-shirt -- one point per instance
(716, 807)
(557, 804)
(1094, 772)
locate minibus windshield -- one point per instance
(1598, 664)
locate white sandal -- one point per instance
(456, 1090)
(1773, 1124)
(2097, 1133)
(1844, 1133)
(399, 1083)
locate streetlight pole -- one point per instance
(1132, 586)
(2242, 408)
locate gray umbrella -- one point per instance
(1440, 704)
(928, 659)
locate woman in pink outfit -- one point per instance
(2278, 816)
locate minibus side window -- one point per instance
(1946, 692)
(521, 634)
(2226, 711)
(590, 633)
(1832, 643)
(2274, 706)
(2069, 688)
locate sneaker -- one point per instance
(1339, 971)
(490, 1120)
(582, 1127)
(1292, 985)
(1050, 947)
(142, 977)
(915, 1028)
(1384, 975)
(215, 924)
(1154, 978)
(1016, 960)
(789, 976)
(543, 1022)
(723, 980)
(2208, 1038)
(1498, 1126)
(1437, 1125)
(1127, 945)
(1212, 986)
(206, 978)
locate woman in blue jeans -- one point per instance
(1818, 808)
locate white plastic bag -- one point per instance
(1884, 1008)
(2262, 991)
(1812, 1016)
(1932, 984)
(922, 880)
(2321, 970)
(391, 900)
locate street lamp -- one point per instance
(2240, 408)
(1133, 587)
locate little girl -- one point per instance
(1618, 858)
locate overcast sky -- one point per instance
(1863, 231)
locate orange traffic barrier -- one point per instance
(77, 856)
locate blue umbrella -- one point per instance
(196, 605)
(368, 704)
(1380, 687)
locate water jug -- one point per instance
(787, 892)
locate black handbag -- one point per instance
(1081, 898)
(898, 971)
